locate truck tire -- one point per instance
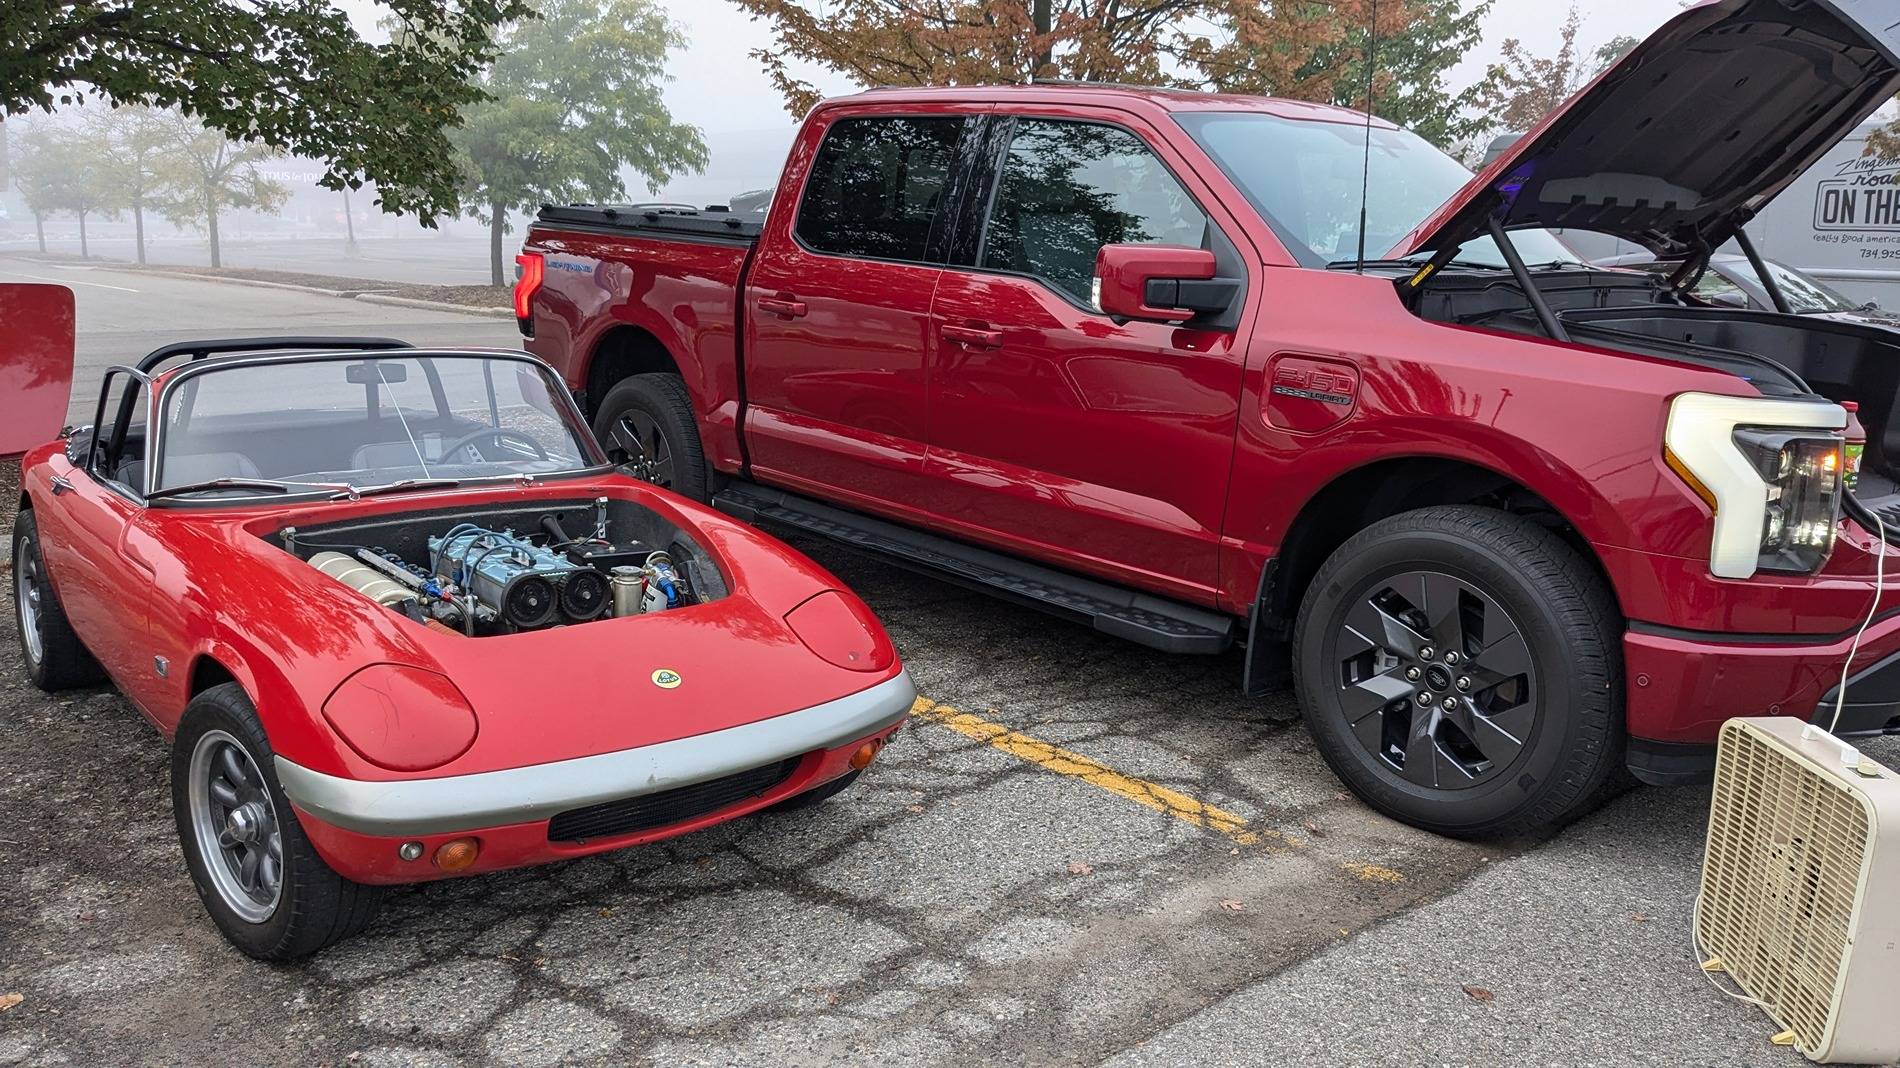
(1460, 668)
(55, 658)
(256, 873)
(647, 426)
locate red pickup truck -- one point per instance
(1508, 522)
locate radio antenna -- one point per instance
(1365, 179)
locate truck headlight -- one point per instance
(1770, 468)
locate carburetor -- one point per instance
(526, 584)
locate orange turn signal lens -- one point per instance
(865, 754)
(457, 854)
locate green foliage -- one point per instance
(208, 173)
(292, 74)
(134, 168)
(1412, 66)
(573, 99)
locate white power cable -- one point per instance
(1880, 583)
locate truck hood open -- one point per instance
(1682, 141)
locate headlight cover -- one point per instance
(1771, 470)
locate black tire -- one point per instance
(314, 906)
(1498, 573)
(62, 662)
(647, 426)
(820, 795)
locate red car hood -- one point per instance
(1681, 142)
(36, 364)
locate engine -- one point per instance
(479, 580)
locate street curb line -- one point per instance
(436, 305)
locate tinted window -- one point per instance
(876, 187)
(1067, 189)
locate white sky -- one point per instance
(719, 88)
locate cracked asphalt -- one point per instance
(1022, 885)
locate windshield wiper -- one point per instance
(1414, 264)
(352, 493)
(234, 483)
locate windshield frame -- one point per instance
(594, 458)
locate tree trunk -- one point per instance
(1045, 55)
(211, 229)
(138, 228)
(498, 219)
(349, 225)
(39, 229)
(84, 252)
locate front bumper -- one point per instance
(417, 808)
(1683, 685)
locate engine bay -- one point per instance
(481, 572)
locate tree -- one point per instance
(210, 173)
(1521, 89)
(87, 190)
(130, 143)
(291, 73)
(1319, 52)
(1308, 49)
(573, 99)
(39, 175)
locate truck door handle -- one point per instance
(981, 337)
(790, 309)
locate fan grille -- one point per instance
(1781, 881)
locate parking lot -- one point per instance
(1078, 851)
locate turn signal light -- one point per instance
(457, 854)
(865, 754)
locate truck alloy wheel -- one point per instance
(635, 443)
(1435, 680)
(1460, 668)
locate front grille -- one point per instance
(630, 815)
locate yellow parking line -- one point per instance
(1076, 766)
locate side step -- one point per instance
(1158, 623)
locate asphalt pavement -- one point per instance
(444, 257)
(1079, 851)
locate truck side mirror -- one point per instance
(1160, 283)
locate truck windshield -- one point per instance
(1305, 177)
(361, 423)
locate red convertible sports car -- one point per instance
(402, 620)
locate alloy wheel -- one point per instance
(1435, 680)
(236, 826)
(636, 444)
(26, 584)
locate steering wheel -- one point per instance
(491, 433)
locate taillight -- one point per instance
(529, 268)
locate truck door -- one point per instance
(1089, 443)
(837, 305)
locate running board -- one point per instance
(1169, 626)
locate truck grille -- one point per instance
(629, 815)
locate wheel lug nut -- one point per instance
(1427, 653)
(1450, 703)
(1412, 674)
(1464, 682)
(1424, 699)
(1452, 657)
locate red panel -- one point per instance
(36, 363)
(841, 631)
(401, 718)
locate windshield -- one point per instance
(356, 422)
(1806, 296)
(1305, 178)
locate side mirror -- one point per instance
(1160, 283)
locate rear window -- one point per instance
(877, 186)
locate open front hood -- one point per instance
(36, 363)
(1681, 142)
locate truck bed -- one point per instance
(658, 220)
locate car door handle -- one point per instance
(981, 337)
(790, 309)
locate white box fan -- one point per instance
(1800, 899)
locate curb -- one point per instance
(434, 305)
(368, 296)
